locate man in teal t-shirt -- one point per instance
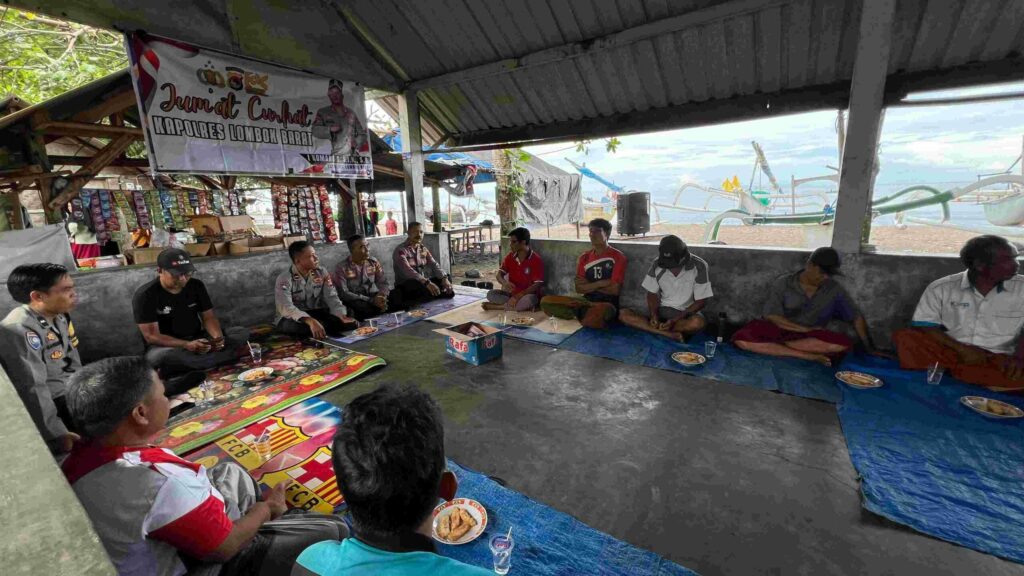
(389, 460)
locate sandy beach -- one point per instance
(912, 239)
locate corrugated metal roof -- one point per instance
(560, 61)
(513, 70)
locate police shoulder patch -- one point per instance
(33, 339)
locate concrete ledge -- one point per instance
(241, 287)
(45, 529)
(885, 286)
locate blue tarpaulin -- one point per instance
(547, 542)
(730, 364)
(929, 462)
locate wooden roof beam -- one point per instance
(86, 130)
(97, 163)
(112, 105)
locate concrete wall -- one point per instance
(886, 286)
(241, 287)
(46, 530)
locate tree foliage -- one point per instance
(41, 57)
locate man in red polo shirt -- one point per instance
(521, 276)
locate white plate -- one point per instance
(365, 331)
(475, 509)
(859, 380)
(689, 358)
(264, 372)
(418, 313)
(979, 404)
(521, 321)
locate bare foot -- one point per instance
(821, 359)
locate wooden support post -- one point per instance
(98, 162)
(857, 171)
(435, 196)
(412, 154)
(502, 193)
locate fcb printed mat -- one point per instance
(299, 372)
(547, 541)
(300, 454)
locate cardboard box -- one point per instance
(219, 249)
(199, 250)
(255, 245)
(289, 239)
(209, 224)
(478, 347)
(144, 255)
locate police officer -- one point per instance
(306, 300)
(39, 349)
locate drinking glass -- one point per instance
(501, 548)
(262, 447)
(256, 352)
(206, 393)
(709, 348)
(935, 374)
(554, 324)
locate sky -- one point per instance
(943, 146)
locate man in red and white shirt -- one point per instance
(158, 514)
(600, 273)
(521, 276)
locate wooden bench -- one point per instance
(484, 245)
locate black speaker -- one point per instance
(634, 213)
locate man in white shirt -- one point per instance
(678, 288)
(970, 322)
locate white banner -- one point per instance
(206, 112)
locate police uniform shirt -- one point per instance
(294, 295)
(39, 356)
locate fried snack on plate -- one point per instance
(461, 522)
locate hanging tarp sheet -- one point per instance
(209, 112)
(929, 462)
(553, 196)
(35, 245)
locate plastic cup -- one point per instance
(262, 447)
(206, 393)
(935, 374)
(256, 353)
(554, 324)
(501, 549)
(709, 348)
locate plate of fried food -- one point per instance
(521, 320)
(418, 313)
(991, 408)
(859, 380)
(365, 330)
(459, 521)
(689, 358)
(256, 374)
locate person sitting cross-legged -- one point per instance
(183, 335)
(388, 455)
(799, 307)
(678, 288)
(970, 322)
(600, 273)
(158, 514)
(362, 285)
(418, 277)
(306, 300)
(521, 276)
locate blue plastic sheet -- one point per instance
(547, 542)
(929, 462)
(730, 364)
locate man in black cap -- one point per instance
(678, 288)
(182, 334)
(799, 307)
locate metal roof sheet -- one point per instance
(515, 70)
